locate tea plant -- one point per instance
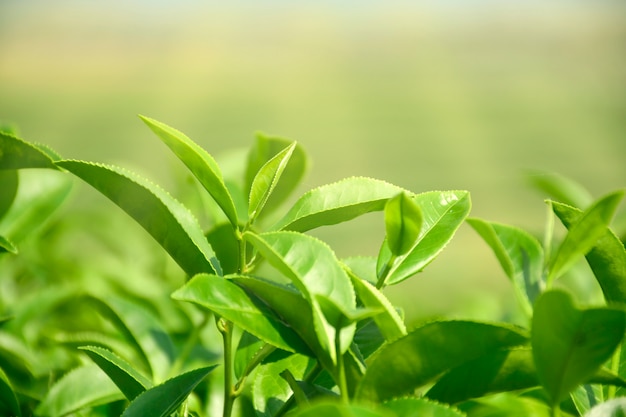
(301, 332)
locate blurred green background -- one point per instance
(427, 95)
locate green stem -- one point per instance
(313, 373)
(225, 328)
(615, 363)
(382, 276)
(342, 383)
(190, 343)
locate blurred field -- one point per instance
(427, 95)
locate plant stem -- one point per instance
(382, 276)
(242, 252)
(225, 328)
(615, 362)
(313, 373)
(342, 383)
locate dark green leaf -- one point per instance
(130, 381)
(607, 258)
(6, 245)
(8, 400)
(82, 388)
(569, 344)
(420, 407)
(168, 221)
(16, 153)
(162, 400)
(403, 222)
(400, 367)
(236, 305)
(223, 240)
(266, 180)
(520, 255)
(199, 162)
(583, 235)
(442, 213)
(264, 149)
(247, 348)
(336, 203)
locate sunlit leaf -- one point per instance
(265, 148)
(420, 407)
(266, 179)
(519, 254)
(230, 301)
(607, 258)
(84, 387)
(16, 153)
(403, 222)
(442, 213)
(130, 381)
(168, 221)
(570, 344)
(162, 400)
(400, 367)
(337, 409)
(338, 202)
(199, 162)
(583, 235)
(507, 405)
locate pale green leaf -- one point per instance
(403, 222)
(562, 189)
(200, 163)
(420, 407)
(130, 381)
(570, 344)
(607, 258)
(228, 300)
(508, 405)
(400, 367)
(583, 235)
(168, 221)
(265, 148)
(337, 409)
(82, 388)
(519, 254)
(162, 400)
(338, 202)
(442, 213)
(266, 180)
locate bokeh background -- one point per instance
(440, 94)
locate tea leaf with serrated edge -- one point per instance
(200, 163)
(266, 180)
(230, 301)
(130, 381)
(570, 344)
(168, 221)
(400, 367)
(16, 153)
(338, 202)
(583, 235)
(418, 407)
(607, 258)
(442, 213)
(520, 256)
(81, 388)
(162, 400)
(335, 409)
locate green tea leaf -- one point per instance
(442, 213)
(82, 388)
(336, 409)
(223, 239)
(236, 305)
(562, 189)
(389, 321)
(39, 195)
(8, 400)
(607, 258)
(612, 408)
(585, 397)
(507, 405)
(338, 202)
(16, 153)
(266, 180)
(247, 348)
(8, 189)
(501, 371)
(6, 245)
(519, 254)
(403, 221)
(583, 235)
(200, 163)
(569, 344)
(400, 367)
(264, 149)
(168, 221)
(270, 393)
(162, 400)
(420, 407)
(130, 381)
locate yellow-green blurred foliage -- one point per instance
(427, 95)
